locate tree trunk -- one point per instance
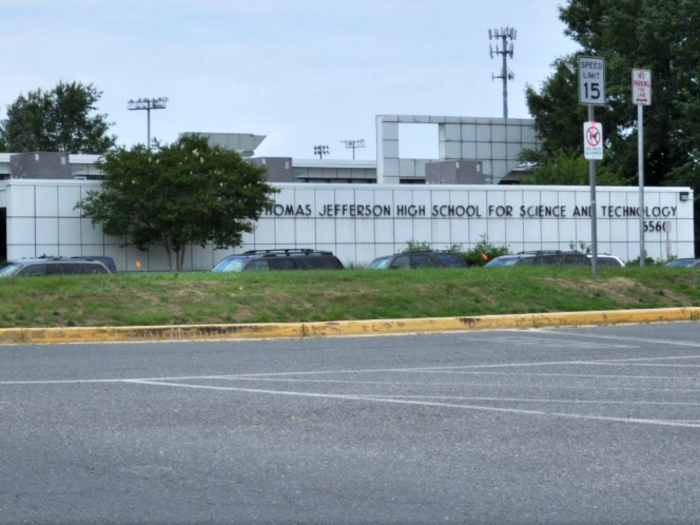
(180, 258)
(168, 252)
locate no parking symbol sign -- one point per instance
(593, 140)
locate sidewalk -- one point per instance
(342, 328)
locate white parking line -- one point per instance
(554, 374)
(653, 365)
(543, 400)
(462, 370)
(375, 399)
(665, 342)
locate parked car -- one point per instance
(51, 266)
(434, 259)
(605, 259)
(104, 259)
(291, 259)
(541, 257)
(686, 262)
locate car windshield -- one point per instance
(503, 261)
(379, 263)
(230, 265)
(682, 262)
(8, 269)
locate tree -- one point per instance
(567, 169)
(57, 120)
(186, 193)
(663, 37)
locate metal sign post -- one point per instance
(591, 83)
(641, 96)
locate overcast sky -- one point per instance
(301, 72)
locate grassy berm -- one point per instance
(206, 297)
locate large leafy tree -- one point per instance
(564, 169)
(62, 119)
(658, 35)
(186, 193)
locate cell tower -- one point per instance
(506, 50)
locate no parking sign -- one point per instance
(593, 140)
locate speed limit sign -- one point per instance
(591, 81)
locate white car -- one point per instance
(605, 259)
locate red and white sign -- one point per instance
(641, 87)
(593, 140)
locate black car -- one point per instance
(434, 259)
(683, 262)
(291, 259)
(53, 266)
(541, 257)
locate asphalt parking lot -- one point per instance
(580, 425)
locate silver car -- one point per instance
(57, 266)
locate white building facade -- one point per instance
(495, 142)
(359, 222)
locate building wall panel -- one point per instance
(361, 222)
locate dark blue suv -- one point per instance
(291, 259)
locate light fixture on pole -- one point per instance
(320, 150)
(354, 144)
(148, 104)
(506, 49)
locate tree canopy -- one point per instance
(661, 36)
(186, 193)
(564, 169)
(62, 119)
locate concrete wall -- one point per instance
(496, 142)
(363, 221)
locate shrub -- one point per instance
(580, 246)
(416, 246)
(648, 261)
(482, 252)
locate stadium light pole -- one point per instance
(354, 144)
(506, 49)
(320, 150)
(147, 104)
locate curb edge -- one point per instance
(341, 328)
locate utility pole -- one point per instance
(506, 50)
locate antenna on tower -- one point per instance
(506, 50)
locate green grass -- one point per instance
(206, 297)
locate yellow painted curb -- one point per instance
(150, 333)
(337, 328)
(379, 326)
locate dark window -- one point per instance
(422, 260)
(34, 269)
(320, 262)
(526, 261)
(71, 268)
(401, 262)
(281, 263)
(548, 259)
(257, 265)
(575, 258)
(452, 260)
(104, 259)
